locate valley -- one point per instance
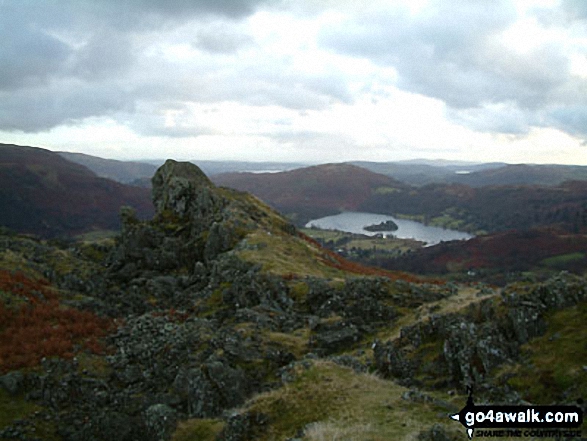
(216, 318)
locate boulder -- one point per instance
(175, 187)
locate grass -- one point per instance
(97, 235)
(295, 342)
(14, 408)
(198, 429)
(328, 401)
(284, 254)
(386, 190)
(553, 370)
(362, 242)
(562, 260)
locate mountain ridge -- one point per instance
(177, 329)
(43, 193)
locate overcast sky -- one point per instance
(297, 80)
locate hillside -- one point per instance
(125, 172)
(43, 193)
(420, 173)
(217, 320)
(313, 192)
(495, 257)
(523, 174)
(489, 209)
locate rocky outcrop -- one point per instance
(198, 331)
(181, 188)
(463, 348)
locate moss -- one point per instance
(563, 260)
(98, 236)
(14, 408)
(429, 359)
(299, 291)
(198, 430)
(93, 365)
(328, 401)
(284, 254)
(386, 190)
(295, 342)
(553, 370)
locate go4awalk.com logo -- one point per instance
(520, 421)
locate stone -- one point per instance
(175, 186)
(12, 382)
(160, 420)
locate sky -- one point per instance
(297, 80)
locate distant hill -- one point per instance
(421, 172)
(313, 192)
(489, 208)
(43, 193)
(476, 175)
(318, 191)
(523, 174)
(120, 171)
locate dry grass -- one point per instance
(330, 402)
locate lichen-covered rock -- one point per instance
(436, 433)
(210, 389)
(244, 427)
(12, 382)
(160, 420)
(328, 337)
(465, 346)
(176, 186)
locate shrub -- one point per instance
(41, 327)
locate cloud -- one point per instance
(98, 50)
(504, 118)
(103, 56)
(28, 56)
(576, 9)
(572, 119)
(65, 102)
(453, 52)
(479, 58)
(221, 38)
(166, 119)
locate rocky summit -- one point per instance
(180, 187)
(218, 320)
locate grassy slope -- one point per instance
(333, 402)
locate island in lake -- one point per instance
(383, 226)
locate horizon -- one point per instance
(415, 160)
(284, 81)
(439, 162)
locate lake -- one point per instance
(354, 222)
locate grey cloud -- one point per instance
(508, 119)
(222, 39)
(179, 8)
(269, 82)
(441, 54)
(285, 136)
(573, 119)
(576, 9)
(37, 109)
(92, 47)
(103, 56)
(28, 56)
(452, 53)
